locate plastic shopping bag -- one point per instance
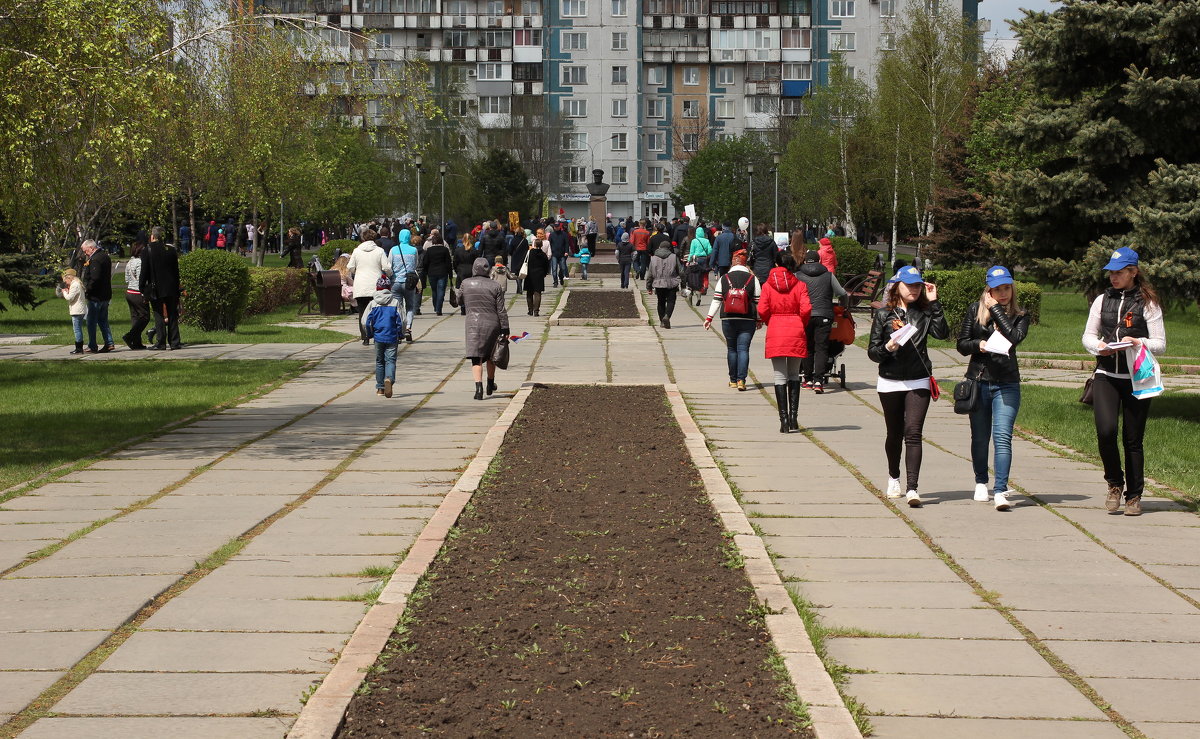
(1146, 373)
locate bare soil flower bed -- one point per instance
(600, 304)
(587, 591)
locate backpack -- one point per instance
(737, 299)
(221, 241)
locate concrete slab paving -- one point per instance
(172, 651)
(847, 570)
(918, 727)
(922, 595)
(1142, 699)
(1131, 659)
(312, 565)
(945, 623)
(170, 694)
(17, 689)
(146, 728)
(1086, 625)
(940, 656)
(47, 650)
(978, 696)
(1163, 730)
(252, 614)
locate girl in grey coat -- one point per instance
(487, 323)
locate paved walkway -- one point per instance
(219, 580)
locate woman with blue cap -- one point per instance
(998, 320)
(1127, 315)
(905, 374)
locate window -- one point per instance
(690, 141)
(620, 142)
(841, 8)
(620, 8)
(762, 105)
(691, 75)
(797, 71)
(531, 7)
(656, 108)
(620, 41)
(792, 106)
(574, 141)
(691, 108)
(797, 38)
(497, 39)
(574, 175)
(574, 8)
(527, 72)
(620, 75)
(654, 175)
(933, 7)
(724, 108)
(656, 7)
(620, 108)
(383, 41)
(575, 108)
(455, 39)
(841, 42)
(887, 8)
(526, 37)
(459, 107)
(620, 175)
(334, 37)
(494, 104)
(656, 141)
(495, 8)
(724, 75)
(574, 75)
(457, 75)
(574, 41)
(491, 71)
(723, 136)
(654, 75)
(887, 41)
(796, 7)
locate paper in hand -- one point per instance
(997, 343)
(1120, 345)
(903, 334)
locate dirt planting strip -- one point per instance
(588, 589)
(599, 308)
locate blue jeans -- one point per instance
(97, 315)
(385, 363)
(77, 324)
(583, 267)
(437, 286)
(625, 267)
(409, 298)
(738, 334)
(558, 269)
(994, 417)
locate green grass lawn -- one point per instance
(60, 412)
(1170, 441)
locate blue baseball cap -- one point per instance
(907, 275)
(1122, 258)
(997, 276)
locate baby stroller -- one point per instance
(697, 278)
(840, 335)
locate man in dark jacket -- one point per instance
(764, 254)
(681, 234)
(97, 289)
(723, 248)
(491, 243)
(822, 286)
(160, 285)
(560, 244)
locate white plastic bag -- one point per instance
(1146, 373)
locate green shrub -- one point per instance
(329, 249)
(217, 284)
(853, 257)
(957, 289)
(272, 287)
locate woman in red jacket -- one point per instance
(785, 308)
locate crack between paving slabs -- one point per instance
(1055, 662)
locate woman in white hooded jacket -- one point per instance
(367, 264)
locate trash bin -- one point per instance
(329, 291)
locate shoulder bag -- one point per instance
(966, 394)
(500, 352)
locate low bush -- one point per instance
(957, 289)
(853, 257)
(328, 251)
(217, 285)
(272, 287)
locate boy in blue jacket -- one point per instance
(385, 323)
(585, 258)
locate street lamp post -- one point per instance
(750, 178)
(417, 161)
(593, 148)
(775, 158)
(442, 168)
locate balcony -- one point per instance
(668, 22)
(675, 41)
(763, 87)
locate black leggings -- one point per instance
(904, 416)
(361, 304)
(666, 301)
(1113, 397)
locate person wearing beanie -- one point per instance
(72, 292)
(625, 254)
(383, 321)
(822, 286)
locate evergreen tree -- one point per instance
(1113, 125)
(502, 185)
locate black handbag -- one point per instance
(1086, 397)
(500, 353)
(966, 394)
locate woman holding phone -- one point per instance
(899, 332)
(1127, 315)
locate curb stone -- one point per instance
(830, 717)
(322, 715)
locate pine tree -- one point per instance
(1113, 128)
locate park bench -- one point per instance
(862, 291)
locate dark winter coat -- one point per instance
(517, 250)
(437, 261)
(491, 245)
(664, 270)
(560, 242)
(625, 252)
(539, 267)
(451, 234)
(487, 319)
(97, 276)
(997, 368)
(783, 305)
(822, 287)
(910, 361)
(463, 259)
(723, 248)
(763, 257)
(291, 250)
(160, 272)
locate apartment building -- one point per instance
(632, 87)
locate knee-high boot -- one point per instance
(793, 387)
(781, 398)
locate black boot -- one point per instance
(479, 391)
(793, 387)
(491, 385)
(78, 348)
(781, 399)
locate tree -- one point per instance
(1113, 133)
(715, 180)
(502, 185)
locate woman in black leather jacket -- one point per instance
(996, 318)
(905, 372)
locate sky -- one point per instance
(998, 10)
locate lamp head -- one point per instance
(417, 161)
(443, 168)
(749, 169)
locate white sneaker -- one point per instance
(893, 488)
(981, 493)
(1002, 503)
(914, 500)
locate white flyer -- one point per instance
(903, 334)
(997, 343)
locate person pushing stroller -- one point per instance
(822, 286)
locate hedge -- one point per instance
(853, 257)
(957, 289)
(271, 287)
(217, 285)
(329, 249)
